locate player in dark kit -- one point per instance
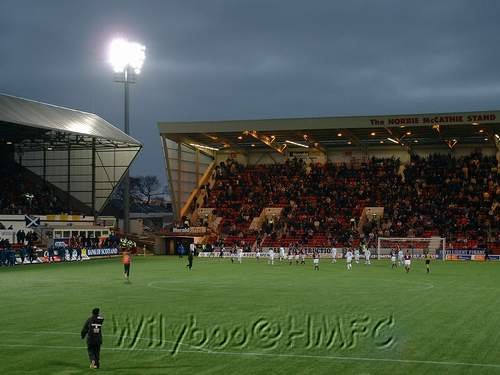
(190, 260)
(407, 259)
(93, 330)
(428, 262)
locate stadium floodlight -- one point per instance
(297, 144)
(124, 54)
(127, 59)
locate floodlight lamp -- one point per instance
(123, 54)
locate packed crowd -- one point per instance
(81, 241)
(23, 193)
(456, 198)
(25, 250)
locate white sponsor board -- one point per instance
(102, 252)
(263, 253)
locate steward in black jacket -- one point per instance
(93, 330)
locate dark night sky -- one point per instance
(214, 59)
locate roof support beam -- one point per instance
(400, 138)
(215, 138)
(312, 143)
(492, 137)
(354, 139)
(448, 142)
(268, 141)
(189, 143)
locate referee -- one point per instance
(93, 330)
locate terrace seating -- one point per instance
(456, 198)
(21, 192)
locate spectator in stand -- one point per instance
(29, 238)
(20, 235)
(24, 193)
(185, 222)
(29, 252)
(180, 249)
(12, 257)
(50, 252)
(79, 252)
(438, 195)
(22, 254)
(62, 253)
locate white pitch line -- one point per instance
(125, 337)
(278, 355)
(345, 358)
(157, 284)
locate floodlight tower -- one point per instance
(127, 59)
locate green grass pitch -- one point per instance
(253, 318)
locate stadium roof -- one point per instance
(47, 117)
(190, 148)
(78, 152)
(425, 129)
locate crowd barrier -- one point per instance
(69, 255)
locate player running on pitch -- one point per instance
(394, 260)
(240, 254)
(333, 253)
(363, 247)
(290, 256)
(348, 259)
(257, 254)
(428, 258)
(271, 257)
(282, 253)
(356, 255)
(400, 256)
(407, 259)
(316, 261)
(190, 260)
(368, 253)
(297, 256)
